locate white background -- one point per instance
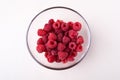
(102, 61)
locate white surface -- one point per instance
(102, 61)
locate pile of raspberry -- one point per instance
(60, 41)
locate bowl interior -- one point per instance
(55, 13)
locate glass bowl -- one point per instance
(62, 13)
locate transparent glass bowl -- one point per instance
(62, 13)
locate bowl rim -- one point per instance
(52, 67)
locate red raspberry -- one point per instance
(70, 58)
(72, 34)
(40, 41)
(56, 25)
(61, 46)
(52, 36)
(57, 31)
(79, 48)
(46, 54)
(66, 39)
(51, 44)
(41, 32)
(62, 55)
(40, 48)
(67, 49)
(51, 58)
(64, 26)
(76, 26)
(48, 49)
(72, 45)
(66, 33)
(74, 39)
(45, 38)
(57, 59)
(70, 24)
(51, 21)
(60, 21)
(74, 53)
(47, 27)
(59, 37)
(54, 52)
(65, 61)
(80, 40)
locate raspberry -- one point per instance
(40, 41)
(48, 49)
(54, 52)
(67, 49)
(66, 33)
(70, 58)
(57, 59)
(57, 31)
(74, 53)
(45, 38)
(80, 40)
(51, 58)
(56, 25)
(76, 26)
(72, 45)
(61, 46)
(64, 26)
(51, 44)
(65, 61)
(72, 34)
(40, 48)
(41, 32)
(66, 39)
(51, 21)
(59, 37)
(47, 27)
(70, 24)
(46, 54)
(62, 55)
(74, 39)
(60, 21)
(52, 36)
(79, 48)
